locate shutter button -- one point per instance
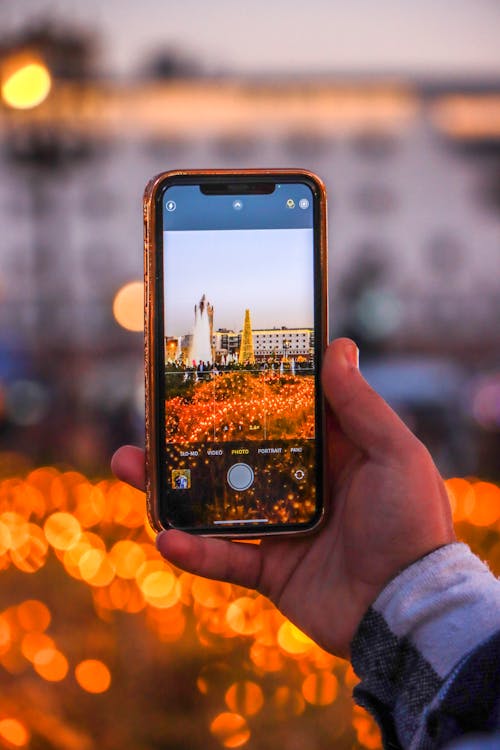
(240, 476)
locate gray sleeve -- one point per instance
(410, 643)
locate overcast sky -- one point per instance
(409, 36)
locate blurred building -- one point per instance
(412, 171)
(412, 174)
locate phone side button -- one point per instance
(240, 476)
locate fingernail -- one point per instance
(351, 354)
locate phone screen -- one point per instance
(240, 293)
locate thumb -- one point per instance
(364, 417)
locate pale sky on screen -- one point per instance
(268, 271)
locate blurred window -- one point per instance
(375, 145)
(17, 265)
(371, 259)
(489, 195)
(445, 252)
(98, 257)
(168, 147)
(99, 202)
(230, 146)
(17, 204)
(307, 144)
(375, 199)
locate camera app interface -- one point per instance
(238, 294)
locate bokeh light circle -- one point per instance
(127, 557)
(93, 676)
(128, 306)
(62, 530)
(51, 664)
(33, 615)
(245, 697)
(320, 688)
(230, 729)
(27, 87)
(14, 733)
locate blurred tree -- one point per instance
(69, 53)
(43, 148)
(171, 63)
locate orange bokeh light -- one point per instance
(62, 530)
(26, 82)
(14, 732)
(158, 583)
(351, 679)
(72, 557)
(268, 622)
(292, 640)
(15, 530)
(172, 627)
(287, 702)
(242, 615)
(91, 504)
(211, 594)
(23, 499)
(33, 615)
(267, 658)
(96, 568)
(161, 589)
(93, 676)
(128, 306)
(125, 505)
(5, 634)
(367, 732)
(5, 539)
(461, 497)
(51, 664)
(33, 643)
(31, 556)
(245, 697)
(486, 509)
(119, 593)
(230, 729)
(124, 573)
(320, 688)
(127, 557)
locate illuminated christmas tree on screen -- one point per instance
(246, 348)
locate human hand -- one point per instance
(387, 507)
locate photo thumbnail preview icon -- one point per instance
(181, 479)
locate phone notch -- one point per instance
(238, 188)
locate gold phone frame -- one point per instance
(150, 349)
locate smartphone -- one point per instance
(235, 330)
